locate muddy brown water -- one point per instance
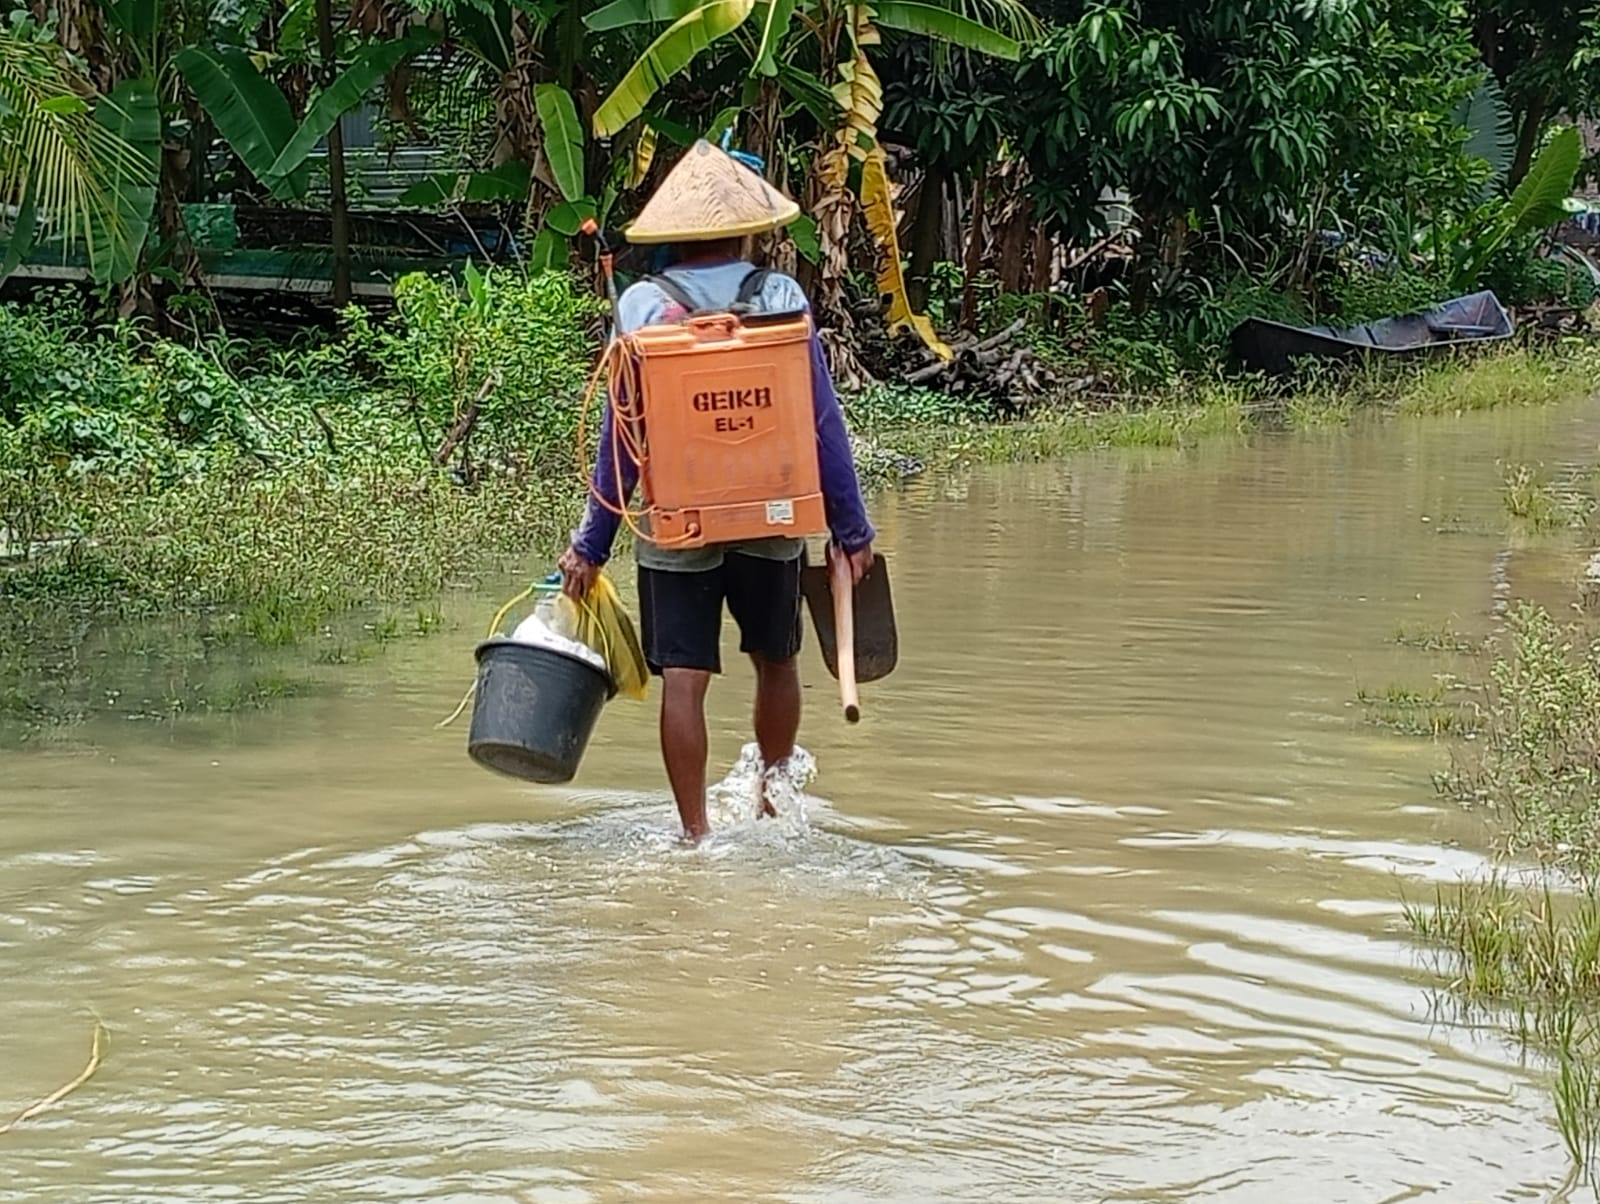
(1100, 901)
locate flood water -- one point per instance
(1100, 901)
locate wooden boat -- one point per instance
(1273, 347)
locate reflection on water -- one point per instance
(1100, 901)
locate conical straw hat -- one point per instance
(708, 194)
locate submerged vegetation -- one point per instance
(1523, 946)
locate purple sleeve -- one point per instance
(593, 539)
(841, 490)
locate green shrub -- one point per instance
(1355, 294)
(1518, 276)
(444, 343)
(1536, 763)
(1126, 349)
(51, 355)
(199, 400)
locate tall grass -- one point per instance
(1526, 948)
(1540, 505)
(1531, 956)
(1520, 377)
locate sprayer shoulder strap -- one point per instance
(749, 289)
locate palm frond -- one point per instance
(53, 148)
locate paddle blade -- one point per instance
(877, 640)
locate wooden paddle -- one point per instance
(844, 627)
(855, 626)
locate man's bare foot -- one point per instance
(691, 837)
(764, 807)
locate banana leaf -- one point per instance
(567, 218)
(878, 210)
(249, 111)
(370, 65)
(810, 93)
(508, 182)
(22, 230)
(133, 113)
(563, 138)
(488, 32)
(136, 18)
(773, 26)
(669, 54)
(622, 13)
(1538, 202)
(932, 21)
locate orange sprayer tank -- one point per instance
(729, 429)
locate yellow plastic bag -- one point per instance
(601, 622)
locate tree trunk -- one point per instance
(1528, 137)
(927, 232)
(1014, 234)
(1043, 250)
(336, 185)
(975, 241)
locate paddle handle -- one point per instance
(844, 627)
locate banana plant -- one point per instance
(146, 106)
(1462, 250)
(253, 115)
(770, 32)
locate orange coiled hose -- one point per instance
(618, 368)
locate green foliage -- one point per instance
(63, 164)
(519, 344)
(1542, 505)
(1245, 118)
(897, 406)
(1464, 248)
(1536, 762)
(1520, 275)
(1357, 294)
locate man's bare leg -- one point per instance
(683, 744)
(777, 717)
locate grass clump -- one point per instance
(1531, 957)
(1428, 713)
(1201, 411)
(1530, 954)
(1436, 639)
(1521, 377)
(1536, 763)
(1539, 504)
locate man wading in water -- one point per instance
(704, 211)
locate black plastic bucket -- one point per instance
(534, 710)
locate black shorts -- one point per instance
(681, 613)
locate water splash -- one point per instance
(735, 801)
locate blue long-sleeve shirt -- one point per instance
(715, 285)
